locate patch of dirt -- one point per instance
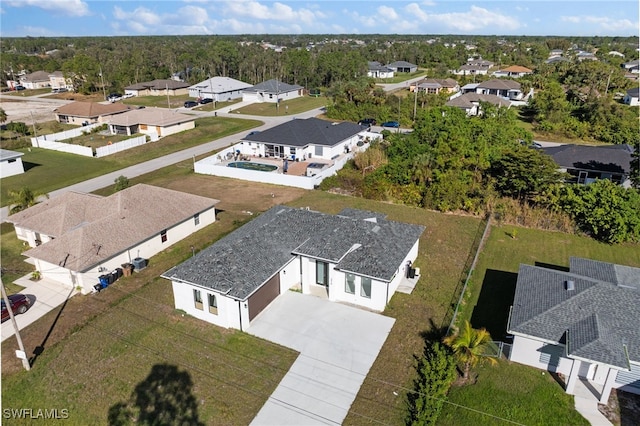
(28, 111)
(623, 408)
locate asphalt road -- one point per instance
(157, 163)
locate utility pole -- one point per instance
(33, 121)
(415, 102)
(20, 353)
(166, 87)
(104, 90)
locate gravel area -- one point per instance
(30, 110)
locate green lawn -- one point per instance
(49, 170)
(157, 101)
(13, 264)
(128, 344)
(292, 107)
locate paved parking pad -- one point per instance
(45, 295)
(337, 345)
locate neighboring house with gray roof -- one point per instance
(272, 91)
(402, 66)
(10, 163)
(504, 88)
(36, 80)
(155, 122)
(158, 87)
(75, 237)
(435, 85)
(632, 98)
(354, 257)
(587, 163)
(584, 324)
(471, 102)
(377, 70)
(220, 89)
(303, 139)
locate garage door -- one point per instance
(265, 294)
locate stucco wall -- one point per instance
(528, 351)
(11, 167)
(228, 309)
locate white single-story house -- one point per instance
(632, 97)
(587, 163)
(88, 112)
(272, 91)
(10, 163)
(35, 80)
(57, 80)
(155, 122)
(584, 324)
(402, 66)
(470, 102)
(514, 71)
(377, 70)
(304, 139)
(159, 87)
(507, 89)
(632, 66)
(435, 86)
(355, 257)
(77, 237)
(474, 66)
(220, 89)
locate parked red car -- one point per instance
(19, 304)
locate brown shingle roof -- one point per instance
(36, 76)
(91, 109)
(152, 117)
(89, 229)
(516, 68)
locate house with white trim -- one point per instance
(82, 113)
(402, 67)
(75, 238)
(470, 102)
(507, 89)
(514, 71)
(632, 98)
(272, 91)
(376, 70)
(35, 80)
(158, 87)
(220, 89)
(10, 163)
(355, 257)
(155, 122)
(584, 324)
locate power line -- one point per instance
(394, 385)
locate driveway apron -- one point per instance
(337, 345)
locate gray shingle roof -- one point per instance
(311, 131)
(469, 99)
(241, 262)
(273, 86)
(5, 154)
(500, 84)
(595, 319)
(613, 158)
(401, 64)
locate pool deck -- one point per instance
(296, 168)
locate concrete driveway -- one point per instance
(45, 296)
(337, 345)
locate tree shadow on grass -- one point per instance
(40, 348)
(494, 303)
(163, 398)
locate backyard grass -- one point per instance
(157, 101)
(519, 393)
(100, 353)
(13, 264)
(47, 170)
(291, 107)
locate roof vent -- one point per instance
(570, 285)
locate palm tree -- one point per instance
(24, 198)
(471, 346)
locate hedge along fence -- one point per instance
(120, 146)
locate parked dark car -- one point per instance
(190, 104)
(393, 124)
(205, 101)
(19, 304)
(367, 122)
(20, 88)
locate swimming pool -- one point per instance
(250, 165)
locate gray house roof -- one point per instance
(6, 155)
(500, 84)
(244, 260)
(599, 320)
(158, 84)
(634, 93)
(613, 158)
(468, 100)
(377, 66)
(401, 64)
(311, 131)
(273, 86)
(220, 85)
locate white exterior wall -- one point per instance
(290, 275)
(228, 308)
(11, 167)
(631, 101)
(527, 351)
(168, 130)
(270, 97)
(146, 249)
(30, 236)
(337, 293)
(402, 269)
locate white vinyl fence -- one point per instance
(120, 146)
